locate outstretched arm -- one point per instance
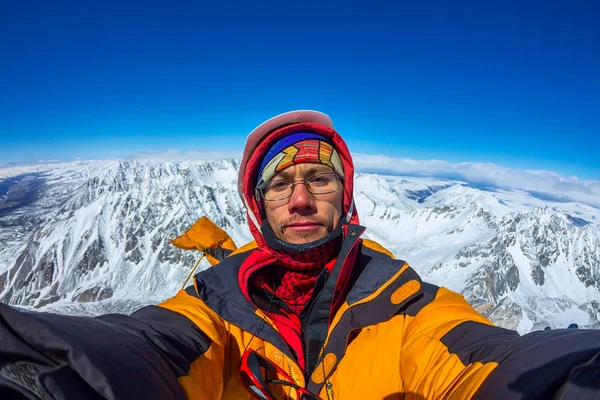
(166, 351)
(452, 352)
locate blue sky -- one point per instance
(513, 83)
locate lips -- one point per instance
(303, 226)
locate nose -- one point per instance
(301, 198)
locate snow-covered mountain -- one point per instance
(92, 236)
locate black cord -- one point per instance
(262, 324)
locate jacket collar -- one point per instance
(366, 272)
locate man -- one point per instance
(310, 310)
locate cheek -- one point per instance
(268, 212)
(335, 208)
(273, 214)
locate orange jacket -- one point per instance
(385, 340)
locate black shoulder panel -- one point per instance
(372, 270)
(473, 341)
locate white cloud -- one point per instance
(192, 155)
(545, 184)
(549, 184)
(53, 161)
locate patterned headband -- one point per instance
(299, 148)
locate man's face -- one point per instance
(304, 217)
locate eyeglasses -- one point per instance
(281, 189)
(254, 370)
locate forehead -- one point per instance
(303, 170)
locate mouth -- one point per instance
(303, 226)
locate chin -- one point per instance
(301, 239)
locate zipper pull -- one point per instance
(329, 390)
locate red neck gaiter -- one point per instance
(297, 273)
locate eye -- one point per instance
(279, 185)
(320, 180)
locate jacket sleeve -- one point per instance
(450, 351)
(168, 351)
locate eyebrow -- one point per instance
(308, 172)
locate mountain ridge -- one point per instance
(93, 237)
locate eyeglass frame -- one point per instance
(338, 179)
(250, 366)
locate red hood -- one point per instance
(261, 139)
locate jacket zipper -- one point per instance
(291, 376)
(311, 305)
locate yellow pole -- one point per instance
(193, 269)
